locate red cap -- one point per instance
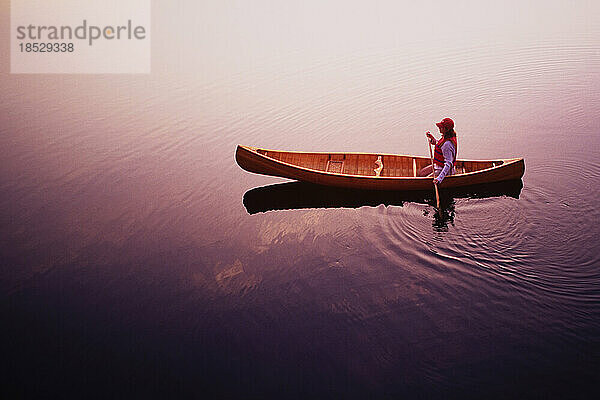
(446, 123)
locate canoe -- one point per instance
(360, 170)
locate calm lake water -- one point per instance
(139, 259)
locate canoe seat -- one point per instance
(335, 166)
(335, 163)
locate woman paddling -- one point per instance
(444, 153)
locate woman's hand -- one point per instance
(430, 137)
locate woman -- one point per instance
(444, 153)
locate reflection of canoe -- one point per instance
(357, 170)
(298, 195)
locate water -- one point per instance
(138, 258)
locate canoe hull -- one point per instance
(251, 160)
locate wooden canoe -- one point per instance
(357, 170)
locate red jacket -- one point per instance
(438, 156)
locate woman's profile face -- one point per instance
(442, 129)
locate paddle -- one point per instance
(437, 194)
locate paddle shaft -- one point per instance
(437, 194)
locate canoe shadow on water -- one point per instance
(301, 195)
